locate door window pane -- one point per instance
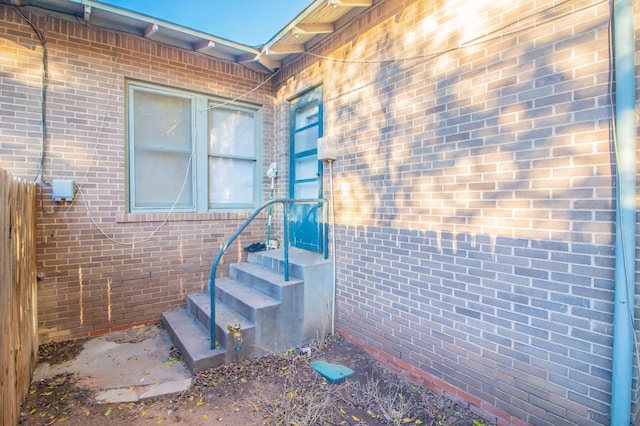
(306, 167)
(306, 190)
(306, 139)
(307, 114)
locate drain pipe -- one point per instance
(625, 155)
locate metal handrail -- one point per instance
(286, 202)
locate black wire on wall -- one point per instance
(43, 93)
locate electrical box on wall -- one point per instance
(62, 190)
(327, 150)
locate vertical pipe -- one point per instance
(333, 252)
(625, 154)
(285, 214)
(325, 219)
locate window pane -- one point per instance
(231, 132)
(162, 122)
(306, 167)
(307, 115)
(231, 181)
(306, 139)
(162, 137)
(159, 177)
(306, 190)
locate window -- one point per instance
(190, 152)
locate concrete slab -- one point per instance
(120, 363)
(167, 388)
(117, 395)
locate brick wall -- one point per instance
(124, 272)
(474, 192)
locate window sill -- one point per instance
(180, 217)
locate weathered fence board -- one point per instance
(18, 309)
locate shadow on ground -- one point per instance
(279, 389)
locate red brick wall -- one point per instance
(474, 194)
(90, 283)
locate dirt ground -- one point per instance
(280, 389)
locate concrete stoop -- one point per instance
(274, 315)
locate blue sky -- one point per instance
(251, 22)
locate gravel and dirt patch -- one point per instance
(280, 389)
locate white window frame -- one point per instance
(199, 162)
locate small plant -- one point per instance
(302, 405)
(385, 403)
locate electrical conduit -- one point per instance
(625, 147)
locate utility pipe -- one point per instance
(333, 250)
(625, 154)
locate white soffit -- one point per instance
(317, 22)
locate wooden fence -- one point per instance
(18, 309)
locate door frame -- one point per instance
(306, 235)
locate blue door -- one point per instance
(306, 228)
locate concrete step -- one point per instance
(189, 330)
(198, 304)
(299, 261)
(267, 281)
(250, 302)
(274, 315)
(192, 339)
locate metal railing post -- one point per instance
(285, 215)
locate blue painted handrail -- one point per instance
(286, 202)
